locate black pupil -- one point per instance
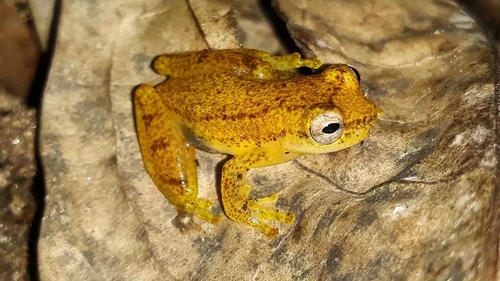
(331, 128)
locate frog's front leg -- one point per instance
(235, 192)
(166, 155)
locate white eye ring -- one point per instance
(326, 128)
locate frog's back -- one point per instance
(215, 95)
(239, 112)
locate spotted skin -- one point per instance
(246, 103)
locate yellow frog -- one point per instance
(246, 103)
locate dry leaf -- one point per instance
(414, 201)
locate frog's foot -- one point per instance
(293, 61)
(254, 213)
(202, 209)
(269, 213)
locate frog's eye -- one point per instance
(355, 71)
(326, 128)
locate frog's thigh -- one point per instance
(170, 163)
(250, 62)
(184, 65)
(235, 192)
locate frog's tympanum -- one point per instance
(250, 104)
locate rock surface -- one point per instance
(18, 63)
(415, 201)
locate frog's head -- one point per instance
(342, 117)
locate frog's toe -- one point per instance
(211, 218)
(311, 63)
(204, 204)
(287, 218)
(207, 216)
(258, 214)
(271, 199)
(270, 232)
(257, 210)
(202, 209)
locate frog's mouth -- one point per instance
(309, 146)
(358, 132)
(350, 138)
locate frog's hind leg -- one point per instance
(271, 67)
(285, 62)
(185, 64)
(168, 159)
(206, 62)
(250, 63)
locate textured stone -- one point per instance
(415, 201)
(18, 62)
